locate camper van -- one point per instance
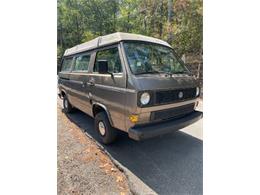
(131, 83)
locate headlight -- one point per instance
(197, 91)
(145, 98)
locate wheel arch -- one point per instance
(62, 93)
(97, 107)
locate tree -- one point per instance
(179, 22)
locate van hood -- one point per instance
(163, 81)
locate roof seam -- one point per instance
(110, 39)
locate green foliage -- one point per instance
(82, 20)
(188, 26)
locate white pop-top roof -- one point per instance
(110, 39)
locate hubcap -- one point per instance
(66, 103)
(101, 128)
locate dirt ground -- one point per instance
(83, 168)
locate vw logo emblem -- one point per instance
(180, 95)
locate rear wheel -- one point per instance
(107, 133)
(67, 107)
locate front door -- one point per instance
(108, 89)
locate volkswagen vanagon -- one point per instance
(131, 83)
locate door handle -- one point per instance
(90, 83)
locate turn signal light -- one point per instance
(133, 118)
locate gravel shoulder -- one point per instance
(83, 168)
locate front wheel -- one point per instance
(107, 133)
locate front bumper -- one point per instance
(153, 130)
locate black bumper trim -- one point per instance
(145, 132)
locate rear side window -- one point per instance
(66, 64)
(113, 59)
(81, 63)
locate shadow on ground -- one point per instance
(170, 164)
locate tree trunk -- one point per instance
(114, 15)
(61, 35)
(78, 33)
(128, 20)
(145, 18)
(161, 19)
(170, 21)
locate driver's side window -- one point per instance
(112, 57)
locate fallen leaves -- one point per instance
(89, 151)
(119, 179)
(113, 169)
(102, 166)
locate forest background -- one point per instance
(179, 22)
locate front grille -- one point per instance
(171, 96)
(172, 112)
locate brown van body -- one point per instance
(118, 95)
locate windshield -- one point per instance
(145, 58)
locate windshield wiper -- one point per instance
(148, 72)
(180, 72)
(168, 73)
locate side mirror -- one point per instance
(103, 66)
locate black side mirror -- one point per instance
(103, 66)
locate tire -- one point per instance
(67, 107)
(107, 134)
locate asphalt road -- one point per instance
(196, 128)
(170, 164)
